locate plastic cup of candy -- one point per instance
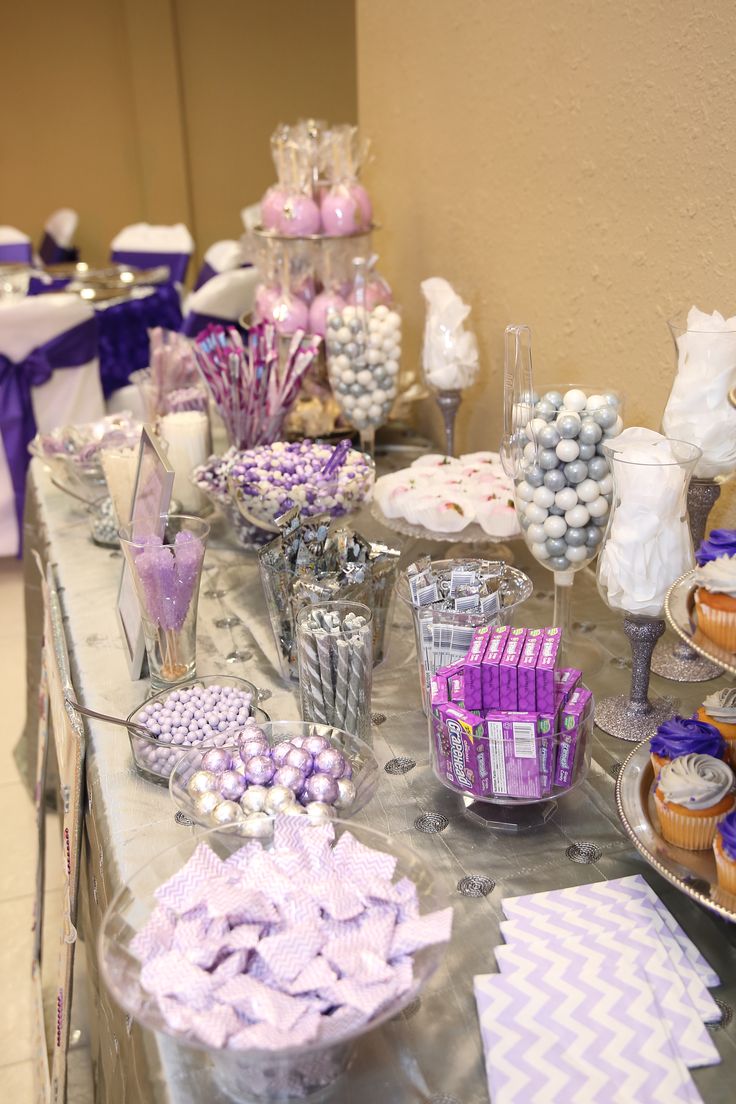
(230, 702)
(263, 1076)
(342, 768)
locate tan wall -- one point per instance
(159, 110)
(565, 163)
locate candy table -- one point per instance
(432, 1052)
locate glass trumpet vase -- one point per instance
(647, 545)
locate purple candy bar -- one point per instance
(471, 667)
(527, 676)
(439, 737)
(464, 750)
(451, 669)
(490, 667)
(512, 746)
(546, 665)
(508, 670)
(570, 732)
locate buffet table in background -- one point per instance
(432, 1051)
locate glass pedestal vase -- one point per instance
(674, 659)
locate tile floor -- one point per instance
(17, 871)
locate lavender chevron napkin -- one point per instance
(584, 1037)
(604, 954)
(632, 894)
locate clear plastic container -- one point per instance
(155, 758)
(361, 759)
(336, 665)
(444, 636)
(265, 1076)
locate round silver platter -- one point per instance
(680, 613)
(693, 872)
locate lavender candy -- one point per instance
(332, 763)
(320, 787)
(280, 751)
(316, 744)
(217, 760)
(301, 759)
(255, 745)
(291, 777)
(259, 770)
(231, 785)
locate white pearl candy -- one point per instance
(605, 485)
(525, 491)
(577, 553)
(575, 400)
(577, 517)
(566, 498)
(206, 804)
(536, 513)
(346, 793)
(598, 507)
(587, 490)
(595, 401)
(536, 533)
(201, 782)
(254, 799)
(544, 497)
(319, 812)
(540, 551)
(567, 450)
(555, 526)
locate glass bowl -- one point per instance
(443, 636)
(266, 1076)
(73, 452)
(362, 761)
(482, 769)
(155, 758)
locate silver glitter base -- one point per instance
(614, 716)
(509, 818)
(673, 659)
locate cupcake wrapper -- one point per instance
(689, 832)
(719, 625)
(726, 869)
(730, 754)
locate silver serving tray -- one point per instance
(693, 872)
(680, 612)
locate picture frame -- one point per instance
(154, 483)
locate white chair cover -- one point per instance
(15, 246)
(145, 246)
(62, 226)
(225, 298)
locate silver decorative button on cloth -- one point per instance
(583, 853)
(476, 885)
(431, 822)
(400, 765)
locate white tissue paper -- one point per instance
(450, 353)
(62, 225)
(141, 237)
(698, 409)
(648, 545)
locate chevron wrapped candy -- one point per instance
(291, 946)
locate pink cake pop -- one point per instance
(266, 299)
(299, 215)
(364, 200)
(272, 205)
(325, 302)
(289, 314)
(341, 212)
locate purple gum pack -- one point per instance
(438, 690)
(457, 689)
(570, 740)
(513, 754)
(508, 670)
(567, 679)
(527, 676)
(473, 686)
(546, 668)
(462, 750)
(490, 667)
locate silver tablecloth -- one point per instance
(432, 1052)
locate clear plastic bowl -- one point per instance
(362, 760)
(155, 758)
(562, 762)
(456, 627)
(265, 1076)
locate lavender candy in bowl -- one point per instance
(206, 712)
(74, 452)
(212, 479)
(267, 1003)
(304, 769)
(316, 477)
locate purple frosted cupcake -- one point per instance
(720, 542)
(684, 736)
(724, 849)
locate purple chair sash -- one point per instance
(42, 285)
(177, 262)
(17, 424)
(124, 326)
(194, 323)
(16, 253)
(51, 252)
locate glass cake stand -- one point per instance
(693, 872)
(473, 535)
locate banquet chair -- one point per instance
(144, 246)
(223, 300)
(222, 256)
(57, 244)
(58, 722)
(15, 246)
(49, 377)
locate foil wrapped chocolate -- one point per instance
(314, 561)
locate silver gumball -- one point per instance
(254, 799)
(346, 794)
(202, 782)
(277, 798)
(205, 805)
(227, 812)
